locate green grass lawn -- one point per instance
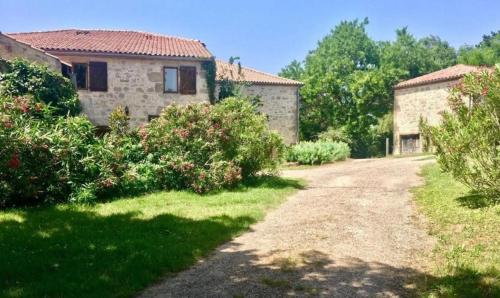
(466, 259)
(121, 247)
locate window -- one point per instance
(98, 76)
(188, 80)
(80, 71)
(170, 79)
(92, 76)
(151, 117)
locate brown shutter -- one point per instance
(187, 79)
(98, 76)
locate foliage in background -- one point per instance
(349, 79)
(468, 140)
(487, 52)
(25, 78)
(319, 152)
(294, 71)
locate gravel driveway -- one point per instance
(353, 232)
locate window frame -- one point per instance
(176, 79)
(89, 78)
(86, 75)
(195, 80)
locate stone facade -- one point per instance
(280, 104)
(136, 83)
(418, 102)
(10, 48)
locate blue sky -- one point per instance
(267, 35)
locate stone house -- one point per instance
(424, 97)
(11, 48)
(145, 72)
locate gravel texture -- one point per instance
(352, 232)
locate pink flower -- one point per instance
(14, 161)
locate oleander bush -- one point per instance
(20, 77)
(44, 157)
(319, 152)
(205, 147)
(467, 143)
(49, 158)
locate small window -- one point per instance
(170, 79)
(98, 76)
(151, 117)
(188, 80)
(80, 71)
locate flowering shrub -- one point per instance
(21, 77)
(318, 152)
(205, 147)
(46, 158)
(467, 142)
(41, 160)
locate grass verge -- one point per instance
(119, 248)
(466, 258)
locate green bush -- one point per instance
(43, 160)
(467, 143)
(204, 147)
(318, 152)
(21, 77)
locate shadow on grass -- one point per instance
(242, 273)
(61, 252)
(475, 201)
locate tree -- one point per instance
(438, 52)
(326, 97)
(417, 57)
(487, 52)
(293, 71)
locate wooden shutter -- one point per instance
(98, 76)
(187, 80)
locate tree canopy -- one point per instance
(348, 80)
(486, 52)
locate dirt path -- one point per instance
(352, 232)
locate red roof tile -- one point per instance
(447, 74)
(114, 42)
(249, 75)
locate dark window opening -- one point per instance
(151, 117)
(98, 76)
(80, 72)
(187, 79)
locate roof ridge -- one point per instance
(106, 30)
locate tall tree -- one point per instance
(487, 52)
(293, 71)
(438, 53)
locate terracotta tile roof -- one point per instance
(249, 75)
(35, 48)
(447, 74)
(114, 42)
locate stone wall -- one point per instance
(413, 103)
(280, 104)
(10, 49)
(136, 83)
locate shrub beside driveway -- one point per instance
(466, 259)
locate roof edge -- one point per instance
(35, 48)
(435, 81)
